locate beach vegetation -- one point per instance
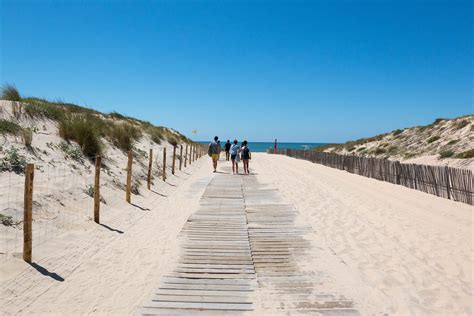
(433, 139)
(446, 153)
(13, 161)
(124, 135)
(27, 136)
(71, 151)
(461, 124)
(467, 154)
(438, 120)
(10, 93)
(380, 151)
(452, 142)
(397, 132)
(361, 149)
(83, 131)
(7, 220)
(9, 127)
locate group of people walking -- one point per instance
(233, 152)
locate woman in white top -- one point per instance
(235, 156)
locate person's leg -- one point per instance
(236, 167)
(233, 166)
(214, 164)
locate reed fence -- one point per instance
(42, 200)
(443, 181)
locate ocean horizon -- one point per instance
(263, 146)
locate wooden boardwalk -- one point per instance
(240, 254)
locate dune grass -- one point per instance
(9, 127)
(10, 93)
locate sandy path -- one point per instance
(104, 271)
(402, 251)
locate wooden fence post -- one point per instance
(174, 160)
(190, 155)
(164, 164)
(446, 170)
(180, 156)
(150, 166)
(186, 156)
(28, 213)
(98, 164)
(129, 177)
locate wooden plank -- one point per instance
(201, 306)
(202, 299)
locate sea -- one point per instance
(263, 146)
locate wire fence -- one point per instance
(64, 196)
(443, 181)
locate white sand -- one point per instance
(402, 251)
(390, 249)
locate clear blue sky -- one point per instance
(322, 71)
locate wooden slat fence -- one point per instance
(447, 182)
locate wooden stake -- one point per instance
(150, 166)
(186, 156)
(180, 157)
(174, 160)
(28, 213)
(190, 154)
(129, 177)
(446, 170)
(164, 164)
(98, 163)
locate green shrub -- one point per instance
(124, 135)
(9, 127)
(467, 154)
(71, 151)
(392, 150)
(361, 148)
(379, 151)
(83, 131)
(43, 109)
(156, 134)
(433, 139)
(7, 220)
(452, 142)
(13, 161)
(173, 141)
(10, 93)
(446, 153)
(397, 132)
(438, 120)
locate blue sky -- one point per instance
(322, 71)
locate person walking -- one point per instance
(227, 150)
(234, 156)
(214, 151)
(246, 156)
(220, 149)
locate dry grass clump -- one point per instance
(9, 127)
(124, 135)
(27, 136)
(433, 139)
(467, 154)
(10, 93)
(80, 130)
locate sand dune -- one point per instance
(388, 248)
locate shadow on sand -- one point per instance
(111, 229)
(161, 194)
(140, 207)
(45, 272)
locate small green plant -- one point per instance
(71, 151)
(467, 154)
(446, 153)
(7, 220)
(89, 190)
(360, 149)
(173, 141)
(433, 139)
(392, 150)
(13, 161)
(9, 127)
(438, 120)
(27, 135)
(10, 93)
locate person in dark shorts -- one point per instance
(246, 156)
(227, 150)
(234, 156)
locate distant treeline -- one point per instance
(451, 183)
